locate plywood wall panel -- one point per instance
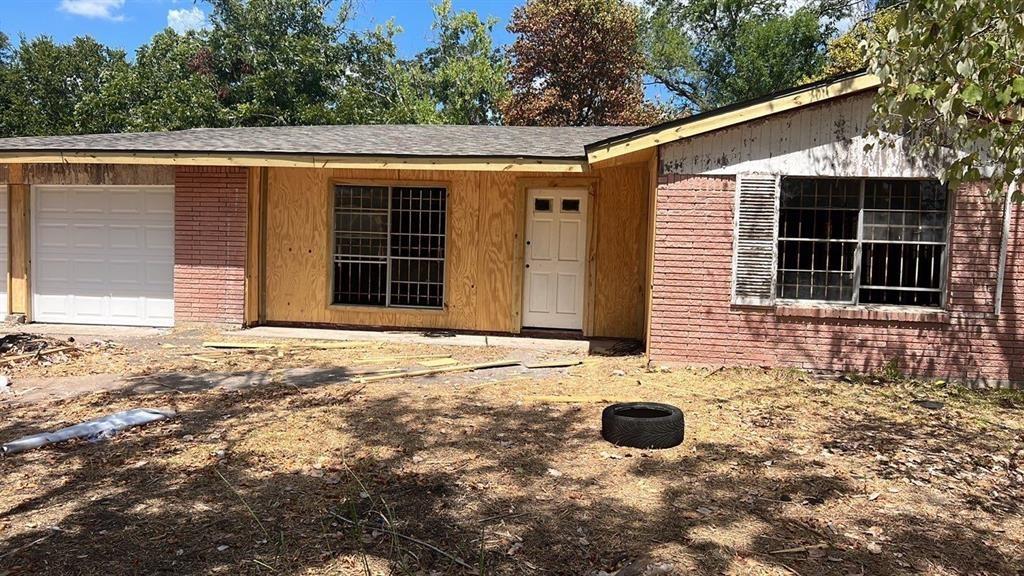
(621, 258)
(480, 269)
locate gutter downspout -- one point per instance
(997, 307)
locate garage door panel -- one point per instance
(52, 274)
(126, 308)
(125, 237)
(85, 237)
(159, 273)
(52, 236)
(160, 238)
(50, 201)
(160, 203)
(88, 202)
(127, 202)
(104, 255)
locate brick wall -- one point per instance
(693, 320)
(209, 244)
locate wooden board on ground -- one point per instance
(555, 364)
(239, 345)
(444, 370)
(438, 362)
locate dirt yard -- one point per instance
(504, 472)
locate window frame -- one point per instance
(944, 266)
(332, 185)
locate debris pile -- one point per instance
(22, 348)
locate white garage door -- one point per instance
(4, 267)
(103, 255)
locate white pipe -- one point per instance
(997, 308)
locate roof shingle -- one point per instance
(342, 140)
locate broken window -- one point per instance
(862, 241)
(389, 246)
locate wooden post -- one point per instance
(253, 309)
(19, 227)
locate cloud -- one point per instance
(184, 20)
(105, 9)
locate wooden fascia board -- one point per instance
(718, 121)
(352, 162)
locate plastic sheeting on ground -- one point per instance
(94, 430)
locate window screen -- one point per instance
(862, 241)
(389, 246)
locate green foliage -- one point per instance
(576, 62)
(848, 53)
(279, 62)
(261, 63)
(467, 75)
(44, 84)
(952, 77)
(170, 87)
(713, 52)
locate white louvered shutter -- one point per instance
(755, 240)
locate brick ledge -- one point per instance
(878, 313)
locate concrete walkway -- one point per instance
(436, 339)
(84, 331)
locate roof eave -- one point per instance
(464, 163)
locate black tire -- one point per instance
(642, 425)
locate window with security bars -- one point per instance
(389, 246)
(862, 241)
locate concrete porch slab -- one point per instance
(83, 330)
(447, 339)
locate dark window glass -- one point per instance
(389, 246)
(891, 234)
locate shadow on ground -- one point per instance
(197, 496)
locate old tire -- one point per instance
(642, 425)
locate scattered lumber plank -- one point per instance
(442, 370)
(241, 345)
(570, 399)
(385, 359)
(555, 364)
(330, 345)
(438, 362)
(206, 359)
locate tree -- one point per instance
(576, 62)
(53, 79)
(952, 78)
(12, 102)
(171, 86)
(467, 75)
(848, 53)
(279, 62)
(380, 88)
(709, 53)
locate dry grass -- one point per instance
(507, 473)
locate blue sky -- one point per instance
(129, 23)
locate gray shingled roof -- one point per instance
(352, 140)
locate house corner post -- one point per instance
(20, 242)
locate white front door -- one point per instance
(103, 255)
(556, 261)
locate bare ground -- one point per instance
(505, 471)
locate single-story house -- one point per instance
(763, 233)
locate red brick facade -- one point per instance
(693, 320)
(209, 244)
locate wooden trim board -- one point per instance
(676, 131)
